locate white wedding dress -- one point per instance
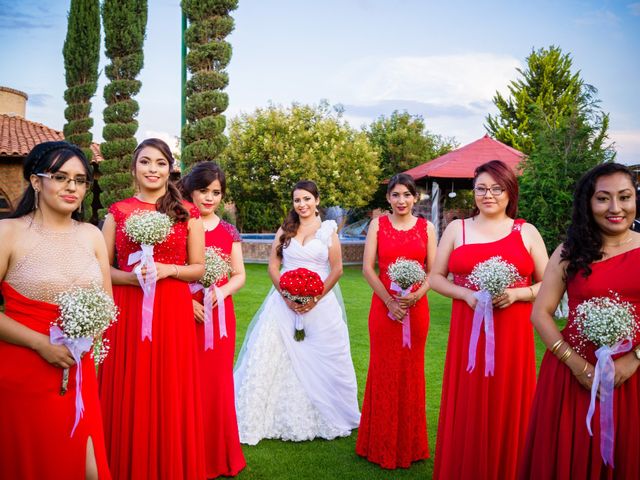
(298, 390)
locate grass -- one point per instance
(321, 459)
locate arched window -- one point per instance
(5, 205)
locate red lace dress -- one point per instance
(393, 427)
(483, 420)
(150, 390)
(222, 442)
(558, 444)
(35, 420)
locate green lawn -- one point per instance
(320, 459)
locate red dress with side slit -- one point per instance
(150, 390)
(393, 427)
(558, 444)
(483, 420)
(222, 443)
(35, 420)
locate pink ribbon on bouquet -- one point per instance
(406, 321)
(77, 346)
(603, 379)
(148, 284)
(483, 311)
(209, 292)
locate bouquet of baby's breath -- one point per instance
(148, 227)
(406, 273)
(217, 265)
(606, 320)
(494, 275)
(85, 314)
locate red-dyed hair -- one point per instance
(506, 178)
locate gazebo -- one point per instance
(440, 178)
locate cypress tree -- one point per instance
(124, 24)
(81, 53)
(209, 54)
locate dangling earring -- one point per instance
(80, 208)
(36, 202)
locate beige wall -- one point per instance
(13, 102)
(11, 182)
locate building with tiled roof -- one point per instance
(17, 137)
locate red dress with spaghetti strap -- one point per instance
(150, 390)
(558, 444)
(393, 426)
(483, 420)
(222, 443)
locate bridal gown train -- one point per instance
(298, 390)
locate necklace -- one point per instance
(619, 244)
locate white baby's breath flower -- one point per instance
(494, 275)
(148, 227)
(406, 273)
(217, 266)
(606, 320)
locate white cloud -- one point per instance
(599, 17)
(168, 138)
(627, 145)
(634, 8)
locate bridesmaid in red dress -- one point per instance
(205, 186)
(45, 250)
(601, 255)
(150, 389)
(393, 427)
(483, 417)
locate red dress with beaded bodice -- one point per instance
(150, 390)
(222, 443)
(558, 444)
(483, 419)
(393, 427)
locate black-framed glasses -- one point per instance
(496, 191)
(64, 179)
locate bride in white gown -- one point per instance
(302, 390)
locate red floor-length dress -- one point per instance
(150, 390)
(393, 427)
(483, 420)
(222, 443)
(558, 444)
(35, 420)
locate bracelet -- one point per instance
(177, 275)
(565, 356)
(554, 348)
(533, 296)
(389, 300)
(586, 364)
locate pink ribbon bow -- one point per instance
(77, 346)
(148, 284)
(603, 379)
(406, 321)
(209, 292)
(483, 311)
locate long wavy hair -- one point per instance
(292, 222)
(201, 176)
(171, 202)
(47, 157)
(504, 176)
(583, 245)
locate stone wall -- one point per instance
(11, 182)
(257, 251)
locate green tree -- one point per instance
(562, 152)
(124, 23)
(209, 54)
(549, 86)
(404, 143)
(81, 53)
(273, 148)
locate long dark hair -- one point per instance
(47, 157)
(403, 179)
(201, 176)
(583, 245)
(504, 176)
(171, 202)
(292, 222)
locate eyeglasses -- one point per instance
(482, 191)
(64, 179)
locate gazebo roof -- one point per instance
(462, 162)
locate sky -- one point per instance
(442, 60)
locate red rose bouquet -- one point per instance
(300, 286)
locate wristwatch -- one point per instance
(637, 353)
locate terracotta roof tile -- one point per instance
(18, 136)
